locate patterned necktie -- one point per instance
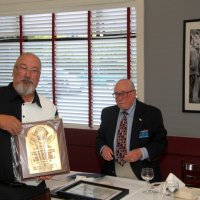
(121, 150)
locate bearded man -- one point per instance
(20, 103)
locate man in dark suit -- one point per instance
(145, 139)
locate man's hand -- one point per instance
(133, 155)
(10, 124)
(107, 153)
(43, 178)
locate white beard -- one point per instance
(24, 90)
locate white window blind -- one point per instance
(108, 52)
(133, 47)
(43, 51)
(109, 56)
(9, 47)
(37, 34)
(72, 67)
(37, 26)
(9, 27)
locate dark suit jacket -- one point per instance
(146, 117)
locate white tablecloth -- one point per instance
(135, 187)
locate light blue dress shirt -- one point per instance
(130, 116)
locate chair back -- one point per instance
(191, 173)
(45, 196)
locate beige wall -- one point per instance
(164, 62)
(21, 7)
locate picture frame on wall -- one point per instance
(191, 66)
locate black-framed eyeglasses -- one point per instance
(121, 94)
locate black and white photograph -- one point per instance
(191, 72)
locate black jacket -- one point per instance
(10, 104)
(146, 117)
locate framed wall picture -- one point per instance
(191, 66)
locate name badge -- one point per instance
(144, 134)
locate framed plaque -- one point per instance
(83, 190)
(42, 149)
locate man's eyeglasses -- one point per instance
(24, 69)
(121, 94)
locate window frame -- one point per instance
(139, 4)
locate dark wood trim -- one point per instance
(81, 150)
(179, 148)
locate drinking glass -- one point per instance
(171, 187)
(147, 174)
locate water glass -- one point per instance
(147, 174)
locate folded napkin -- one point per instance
(172, 179)
(172, 184)
(188, 193)
(182, 192)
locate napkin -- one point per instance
(172, 178)
(182, 192)
(171, 184)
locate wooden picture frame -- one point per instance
(42, 149)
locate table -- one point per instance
(136, 187)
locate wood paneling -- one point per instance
(82, 151)
(83, 155)
(179, 148)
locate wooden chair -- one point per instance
(191, 173)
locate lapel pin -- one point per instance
(140, 119)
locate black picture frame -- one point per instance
(191, 66)
(85, 190)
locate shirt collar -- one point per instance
(37, 99)
(130, 110)
(14, 95)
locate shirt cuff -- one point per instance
(145, 154)
(102, 149)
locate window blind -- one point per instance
(72, 67)
(133, 47)
(9, 47)
(73, 55)
(37, 34)
(109, 51)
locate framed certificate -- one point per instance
(42, 149)
(83, 190)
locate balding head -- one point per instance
(26, 74)
(125, 93)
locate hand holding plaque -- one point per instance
(42, 149)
